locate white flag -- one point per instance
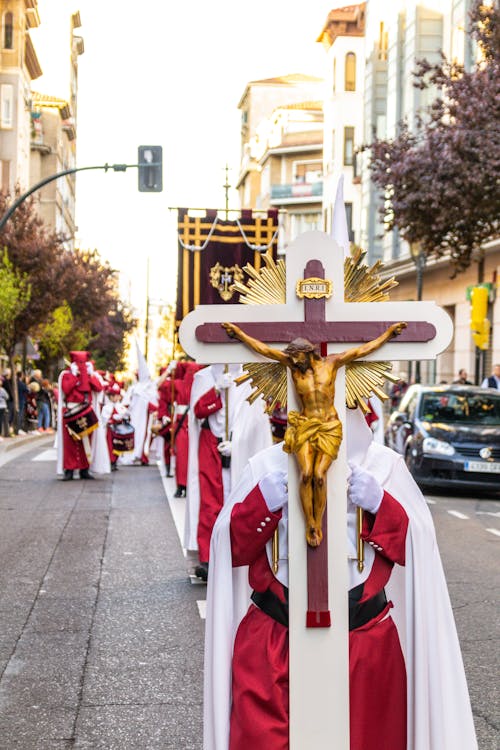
(340, 232)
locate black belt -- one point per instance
(205, 425)
(272, 605)
(359, 614)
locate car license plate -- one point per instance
(484, 466)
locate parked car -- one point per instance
(449, 435)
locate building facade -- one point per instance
(282, 152)
(19, 67)
(388, 39)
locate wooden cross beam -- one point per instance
(319, 676)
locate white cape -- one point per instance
(439, 711)
(250, 432)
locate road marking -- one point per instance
(487, 513)
(48, 455)
(494, 531)
(457, 514)
(202, 608)
(429, 501)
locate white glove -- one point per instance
(90, 367)
(274, 488)
(74, 369)
(171, 366)
(363, 489)
(165, 420)
(224, 448)
(224, 381)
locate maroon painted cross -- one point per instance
(319, 659)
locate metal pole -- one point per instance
(22, 198)
(420, 263)
(146, 326)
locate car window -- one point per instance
(469, 408)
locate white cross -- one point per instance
(319, 667)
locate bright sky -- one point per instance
(171, 74)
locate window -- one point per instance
(348, 217)
(350, 72)
(8, 31)
(307, 172)
(5, 178)
(348, 146)
(6, 106)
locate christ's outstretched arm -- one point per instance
(258, 346)
(359, 352)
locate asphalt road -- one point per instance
(101, 630)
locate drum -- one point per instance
(122, 437)
(80, 421)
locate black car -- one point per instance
(449, 435)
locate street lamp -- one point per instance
(419, 258)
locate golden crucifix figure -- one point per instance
(314, 434)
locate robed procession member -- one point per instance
(224, 431)
(116, 420)
(141, 399)
(174, 394)
(313, 435)
(404, 655)
(77, 418)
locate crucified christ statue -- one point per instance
(314, 434)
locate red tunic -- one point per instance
(74, 456)
(209, 473)
(259, 712)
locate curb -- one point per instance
(11, 443)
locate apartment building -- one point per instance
(282, 146)
(371, 53)
(19, 67)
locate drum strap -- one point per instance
(180, 423)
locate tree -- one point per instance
(109, 337)
(440, 183)
(15, 295)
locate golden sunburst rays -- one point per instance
(267, 286)
(361, 284)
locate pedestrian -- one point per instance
(397, 391)
(22, 393)
(7, 385)
(4, 417)
(494, 379)
(462, 378)
(42, 402)
(400, 665)
(224, 431)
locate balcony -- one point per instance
(297, 192)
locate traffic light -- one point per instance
(479, 323)
(150, 163)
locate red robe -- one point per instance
(74, 456)
(259, 712)
(209, 472)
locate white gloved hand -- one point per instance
(363, 489)
(224, 381)
(171, 366)
(74, 369)
(90, 367)
(165, 420)
(224, 448)
(274, 488)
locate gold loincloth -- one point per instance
(324, 437)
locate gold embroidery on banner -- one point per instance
(222, 278)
